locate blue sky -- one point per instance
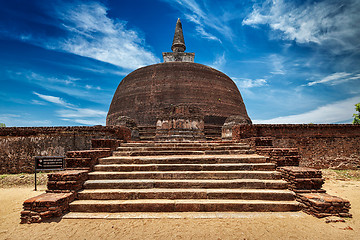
(293, 61)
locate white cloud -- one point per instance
(331, 24)
(90, 122)
(336, 78)
(71, 86)
(200, 29)
(340, 111)
(37, 102)
(67, 80)
(93, 34)
(244, 83)
(52, 99)
(92, 87)
(69, 112)
(204, 19)
(14, 120)
(277, 62)
(81, 113)
(219, 62)
(90, 32)
(85, 116)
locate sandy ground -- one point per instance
(263, 226)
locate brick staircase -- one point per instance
(211, 132)
(210, 176)
(147, 133)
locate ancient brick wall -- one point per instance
(320, 145)
(19, 145)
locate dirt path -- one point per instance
(262, 226)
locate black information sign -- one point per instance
(48, 163)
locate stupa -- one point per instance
(144, 93)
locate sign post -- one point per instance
(48, 163)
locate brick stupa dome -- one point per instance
(143, 94)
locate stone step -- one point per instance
(194, 159)
(179, 144)
(146, 138)
(183, 148)
(178, 152)
(146, 134)
(181, 215)
(180, 183)
(183, 205)
(212, 132)
(185, 167)
(147, 130)
(186, 175)
(195, 193)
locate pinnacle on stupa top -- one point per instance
(178, 47)
(178, 44)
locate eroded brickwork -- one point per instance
(307, 185)
(18, 146)
(320, 145)
(46, 206)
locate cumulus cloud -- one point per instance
(336, 112)
(91, 33)
(336, 78)
(331, 23)
(88, 31)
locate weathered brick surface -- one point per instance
(280, 156)
(66, 181)
(19, 145)
(307, 183)
(176, 83)
(45, 206)
(111, 144)
(85, 159)
(320, 145)
(302, 179)
(324, 205)
(263, 141)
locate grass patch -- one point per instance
(22, 179)
(342, 174)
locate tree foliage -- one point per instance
(2, 125)
(357, 115)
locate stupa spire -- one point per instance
(178, 44)
(178, 47)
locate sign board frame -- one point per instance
(48, 163)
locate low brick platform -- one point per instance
(324, 205)
(307, 183)
(45, 206)
(302, 179)
(66, 181)
(280, 156)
